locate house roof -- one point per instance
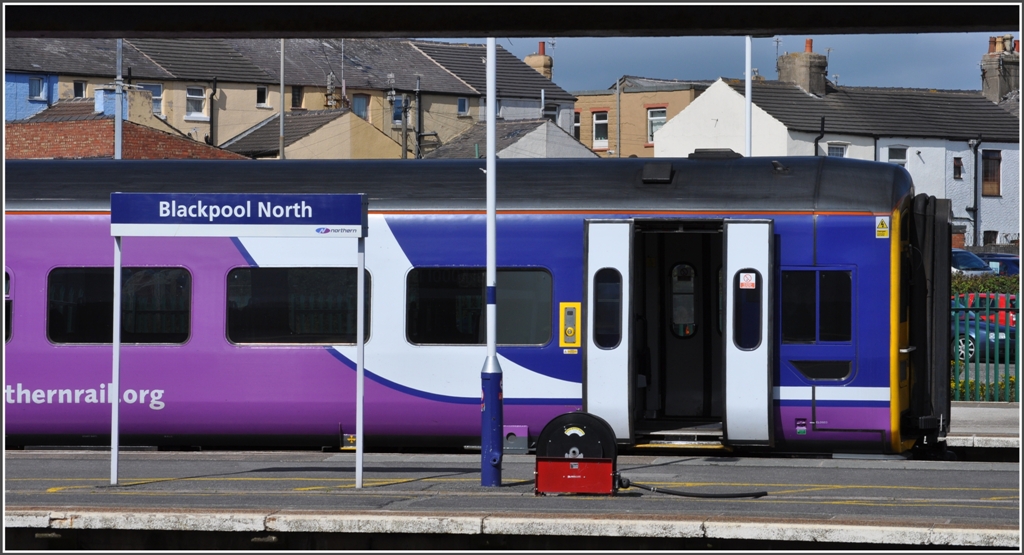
(264, 138)
(365, 65)
(202, 59)
(71, 109)
(513, 79)
(885, 112)
(469, 142)
(92, 57)
(193, 59)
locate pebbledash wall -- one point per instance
(95, 139)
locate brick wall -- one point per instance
(95, 139)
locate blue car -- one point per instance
(975, 339)
(1004, 264)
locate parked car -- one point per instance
(967, 263)
(994, 307)
(974, 339)
(1004, 264)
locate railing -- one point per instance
(984, 348)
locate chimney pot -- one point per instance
(991, 45)
(540, 48)
(1016, 46)
(808, 45)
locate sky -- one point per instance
(926, 60)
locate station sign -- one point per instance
(237, 215)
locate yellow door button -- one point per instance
(569, 332)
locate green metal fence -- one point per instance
(984, 347)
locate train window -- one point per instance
(683, 317)
(834, 306)
(295, 305)
(445, 306)
(155, 305)
(798, 307)
(816, 306)
(7, 306)
(747, 309)
(607, 308)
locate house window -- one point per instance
(551, 112)
(158, 92)
(79, 89)
(261, 95)
(396, 111)
(463, 106)
(990, 171)
(655, 119)
(600, 130)
(958, 168)
(361, 106)
(837, 150)
(35, 88)
(195, 101)
(296, 97)
(576, 125)
(897, 155)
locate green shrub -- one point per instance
(960, 284)
(967, 391)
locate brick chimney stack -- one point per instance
(540, 61)
(1000, 67)
(805, 69)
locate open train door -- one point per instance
(606, 368)
(747, 279)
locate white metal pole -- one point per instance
(360, 322)
(491, 446)
(748, 113)
(114, 393)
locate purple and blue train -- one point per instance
(775, 305)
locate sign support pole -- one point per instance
(492, 419)
(114, 393)
(360, 323)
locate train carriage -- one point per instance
(758, 304)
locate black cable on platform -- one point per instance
(625, 483)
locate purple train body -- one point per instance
(724, 303)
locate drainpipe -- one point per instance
(820, 135)
(618, 118)
(280, 139)
(975, 210)
(212, 138)
(405, 126)
(118, 127)
(419, 120)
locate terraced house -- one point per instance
(342, 98)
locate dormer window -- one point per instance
(35, 88)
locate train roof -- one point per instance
(821, 184)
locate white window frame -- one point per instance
(653, 119)
(74, 89)
(599, 143)
(898, 160)
(299, 93)
(841, 148)
(366, 108)
(42, 88)
(462, 106)
(191, 97)
(576, 125)
(266, 96)
(158, 99)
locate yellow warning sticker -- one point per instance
(882, 227)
